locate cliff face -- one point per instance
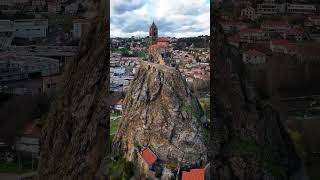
(74, 139)
(248, 139)
(161, 113)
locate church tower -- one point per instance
(153, 33)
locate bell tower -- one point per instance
(153, 33)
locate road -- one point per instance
(6, 176)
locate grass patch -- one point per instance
(121, 170)
(114, 125)
(122, 51)
(13, 167)
(142, 55)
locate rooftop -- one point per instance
(148, 156)
(194, 174)
(163, 39)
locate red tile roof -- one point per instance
(148, 156)
(194, 174)
(163, 39)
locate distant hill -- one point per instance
(198, 42)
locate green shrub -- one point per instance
(158, 172)
(122, 169)
(172, 166)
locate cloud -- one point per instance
(173, 17)
(122, 6)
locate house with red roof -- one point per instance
(148, 156)
(193, 174)
(253, 56)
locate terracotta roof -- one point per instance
(194, 174)
(148, 156)
(163, 39)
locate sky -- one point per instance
(174, 18)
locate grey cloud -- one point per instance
(131, 23)
(124, 6)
